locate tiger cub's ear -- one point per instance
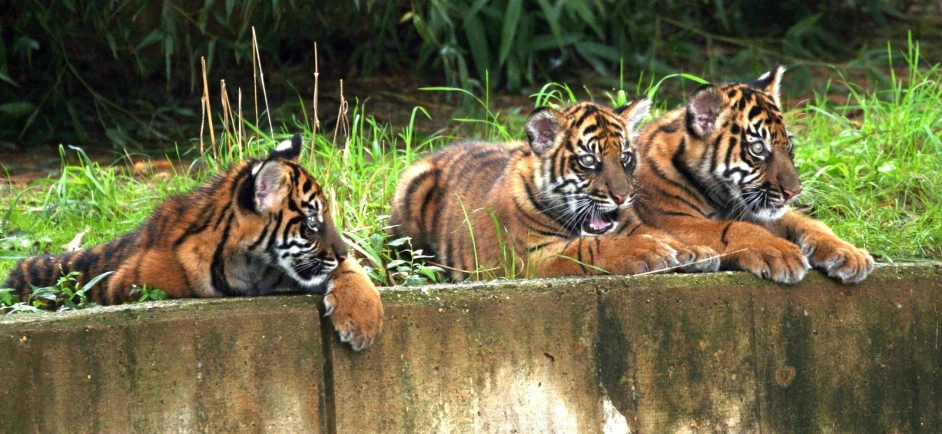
(771, 82)
(288, 149)
(542, 128)
(634, 112)
(703, 111)
(269, 185)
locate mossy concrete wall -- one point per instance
(650, 354)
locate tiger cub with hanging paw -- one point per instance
(720, 172)
(557, 205)
(261, 226)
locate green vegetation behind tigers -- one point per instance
(84, 71)
(870, 165)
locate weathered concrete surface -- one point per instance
(863, 358)
(723, 352)
(183, 366)
(483, 358)
(730, 353)
(678, 357)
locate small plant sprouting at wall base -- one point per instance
(413, 271)
(64, 295)
(148, 294)
(392, 263)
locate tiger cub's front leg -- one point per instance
(825, 250)
(744, 246)
(616, 254)
(354, 305)
(693, 258)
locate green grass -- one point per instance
(873, 165)
(870, 165)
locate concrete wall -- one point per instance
(672, 353)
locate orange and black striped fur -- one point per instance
(720, 172)
(554, 206)
(261, 226)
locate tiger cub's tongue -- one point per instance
(597, 224)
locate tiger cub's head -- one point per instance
(751, 167)
(296, 233)
(586, 157)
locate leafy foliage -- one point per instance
(64, 295)
(84, 70)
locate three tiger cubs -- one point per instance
(704, 187)
(715, 176)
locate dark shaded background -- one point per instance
(128, 73)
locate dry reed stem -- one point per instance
(342, 120)
(261, 77)
(241, 154)
(316, 123)
(255, 79)
(227, 118)
(209, 109)
(202, 125)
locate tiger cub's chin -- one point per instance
(555, 205)
(719, 172)
(766, 215)
(261, 225)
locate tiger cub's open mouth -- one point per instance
(599, 222)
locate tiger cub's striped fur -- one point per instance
(720, 172)
(261, 226)
(558, 205)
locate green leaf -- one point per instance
(398, 242)
(509, 30)
(152, 38)
(552, 18)
(653, 90)
(97, 279)
(477, 43)
(887, 167)
(802, 28)
(395, 263)
(8, 296)
(7, 79)
(415, 280)
(17, 109)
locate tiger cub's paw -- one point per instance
(698, 259)
(355, 309)
(647, 253)
(776, 259)
(836, 257)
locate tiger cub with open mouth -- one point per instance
(557, 205)
(720, 172)
(261, 226)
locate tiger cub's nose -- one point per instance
(789, 195)
(619, 198)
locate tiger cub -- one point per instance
(720, 172)
(260, 226)
(558, 205)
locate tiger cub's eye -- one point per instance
(312, 223)
(588, 161)
(628, 160)
(756, 148)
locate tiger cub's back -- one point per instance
(464, 171)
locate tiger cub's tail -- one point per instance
(45, 270)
